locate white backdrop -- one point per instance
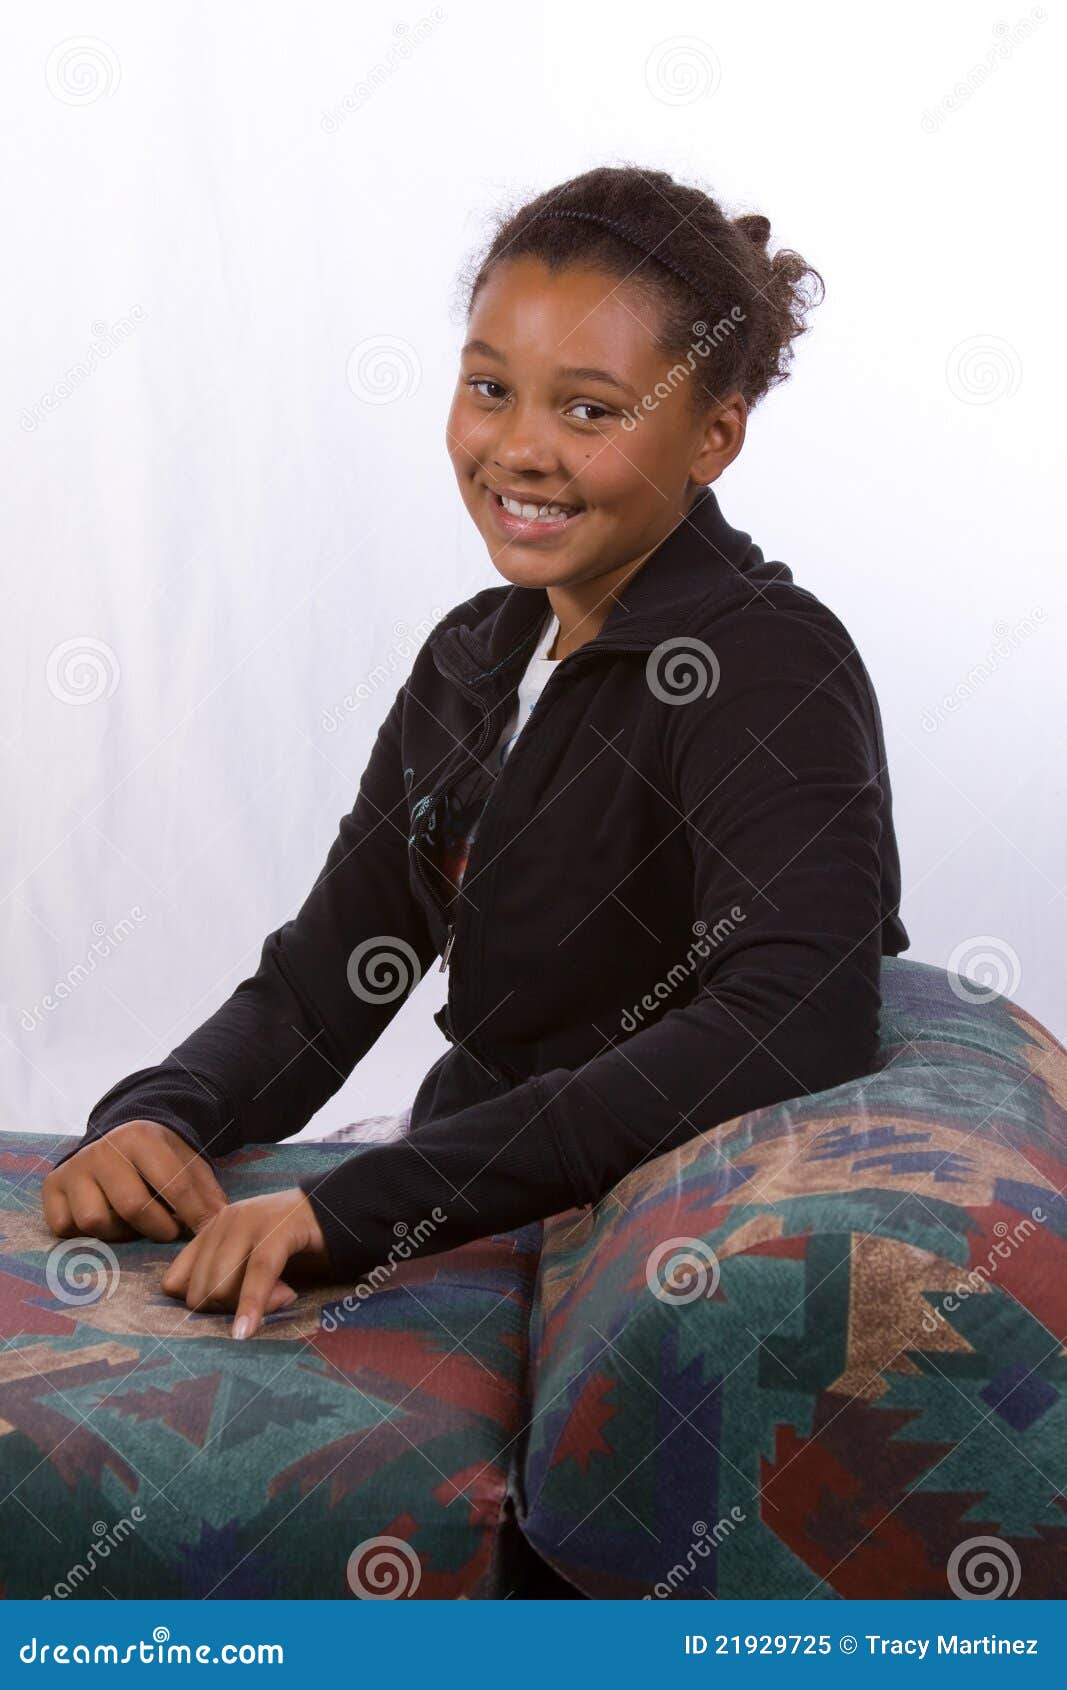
(225, 223)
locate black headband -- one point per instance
(633, 240)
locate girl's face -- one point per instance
(563, 398)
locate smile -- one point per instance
(525, 518)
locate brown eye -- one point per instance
(485, 381)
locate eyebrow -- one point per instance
(579, 372)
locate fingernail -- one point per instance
(242, 1326)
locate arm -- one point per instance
(776, 776)
(289, 1035)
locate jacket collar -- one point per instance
(703, 560)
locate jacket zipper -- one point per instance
(446, 953)
(429, 804)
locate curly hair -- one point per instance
(699, 266)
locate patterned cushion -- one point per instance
(821, 1351)
(145, 1453)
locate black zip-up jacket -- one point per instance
(673, 912)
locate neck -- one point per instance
(582, 607)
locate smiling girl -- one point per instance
(635, 799)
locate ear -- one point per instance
(722, 437)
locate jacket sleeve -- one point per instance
(775, 775)
(328, 983)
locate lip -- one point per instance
(519, 528)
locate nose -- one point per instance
(522, 444)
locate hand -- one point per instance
(111, 1187)
(237, 1260)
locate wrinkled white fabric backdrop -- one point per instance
(226, 224)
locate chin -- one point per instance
(521, 571)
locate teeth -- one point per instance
(533, 513)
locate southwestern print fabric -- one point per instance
(821, 1353)
(350, 1450)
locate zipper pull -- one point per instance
(445, 954)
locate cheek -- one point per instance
(646, 466)
(469, 435)
(454, 431)
(619, 469)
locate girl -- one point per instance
(635, 799)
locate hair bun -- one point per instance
(755, 228)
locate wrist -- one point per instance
(310, 1221)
